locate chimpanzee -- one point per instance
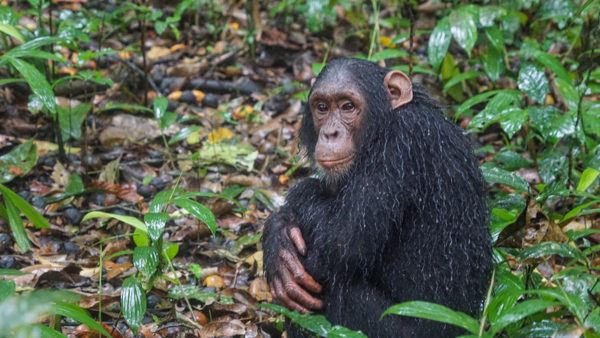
(394, 212)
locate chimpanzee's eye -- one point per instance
(321, 107)
(348, 106)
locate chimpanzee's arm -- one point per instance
(283, 243)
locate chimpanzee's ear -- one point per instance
(312, 81)
(399, 88)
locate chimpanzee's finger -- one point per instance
(298, 272)
(283, 298)
(298, 294)
(296, 237)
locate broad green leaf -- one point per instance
(459, 78)
(520, 311)
(575, 297)
(16, 226)
(487, 15)
(568, 93)
(45, 331)
(133, 302)
(435, 312)
(11, 272)
(35, 44)
(542, 329)
(552, 165)
(11, 31)
(512, 120)
(344, 332)
(35, 54)
(7, 81)
(438, 44)
(199, 211)
(146, 260)
(463, 28)
(549, 249)
(71, 119)
(388, 54)
(512, 160)
(18, 162)
(493, 63)
(551, 123)
(159, 105)
(416, 69)
(183, 134)
(35, 304)
(479, 98)
(77, 313)
(495, 37)
(504, 103)
(593, 320)
(317, 67)
(161, 199)
(155, 223)
(75, 185)
(551, 62)
(37, 81)
(494, 175)
(588, 176)
(134, 222)
(560, 11)
(32, 215)
(317, 324)
(140, 237)
(7, 289)
(170, 250)
(533, 82)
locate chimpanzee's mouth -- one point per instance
(335, 162)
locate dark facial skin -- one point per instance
(337, 113)
(337, 108)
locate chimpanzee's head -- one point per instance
(346, 94)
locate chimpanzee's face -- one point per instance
(337, 110)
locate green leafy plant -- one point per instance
(10, 210)
(315, 324)
(152, 254)
(21, 312)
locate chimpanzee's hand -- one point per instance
(289, 281)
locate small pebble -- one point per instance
(146, 190)
(73, 215)
(153, 301)
(38, 202)
(159, 183)
(5, 242)
(97, 198)
(211, 100)
(71, 248)
(8, 262)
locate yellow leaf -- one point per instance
(219, 135)
(386, 41)
(177, 47)
(193, 138)
(199, 95)
(214, 281)
(242, 112)
(174, 96)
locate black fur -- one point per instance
(408, 221)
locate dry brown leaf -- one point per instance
(115, 269)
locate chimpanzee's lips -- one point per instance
(334, 162)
